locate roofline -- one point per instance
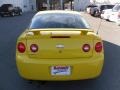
(57, 11)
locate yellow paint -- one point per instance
(37, 66)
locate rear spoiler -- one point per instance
(37, 31)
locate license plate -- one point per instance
(60, 70)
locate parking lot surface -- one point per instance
(12, 27)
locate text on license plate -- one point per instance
(60, 70)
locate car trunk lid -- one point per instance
(59, 43)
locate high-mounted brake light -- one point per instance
(34, 48)
(86, 47)
(21, 47)
(98, 47)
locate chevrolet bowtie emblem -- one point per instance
(59, 46)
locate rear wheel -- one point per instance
(12, 14)
(96, 14)
(107, 20)
(20, 13)
(93, 14)
(2, 15)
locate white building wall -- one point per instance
(106, 1)
(32, 4)
(81, 4)
(26, 5)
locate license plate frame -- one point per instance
(60, 70)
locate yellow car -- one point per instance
(59, 45)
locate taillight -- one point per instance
(98, 47)
(21, 47)
(34, 48)
(86, 47)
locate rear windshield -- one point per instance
(58, 21)
(107, 7)
(116, 8)
(7, 5)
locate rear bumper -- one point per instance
(83, 68)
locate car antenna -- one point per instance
(99, 26)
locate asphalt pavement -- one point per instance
(12, 27)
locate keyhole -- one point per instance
(60, 51)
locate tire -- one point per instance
(96, 14)
(12, 14)
(108, 20)
(2, 15)
(93, 14)
(20, 13)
